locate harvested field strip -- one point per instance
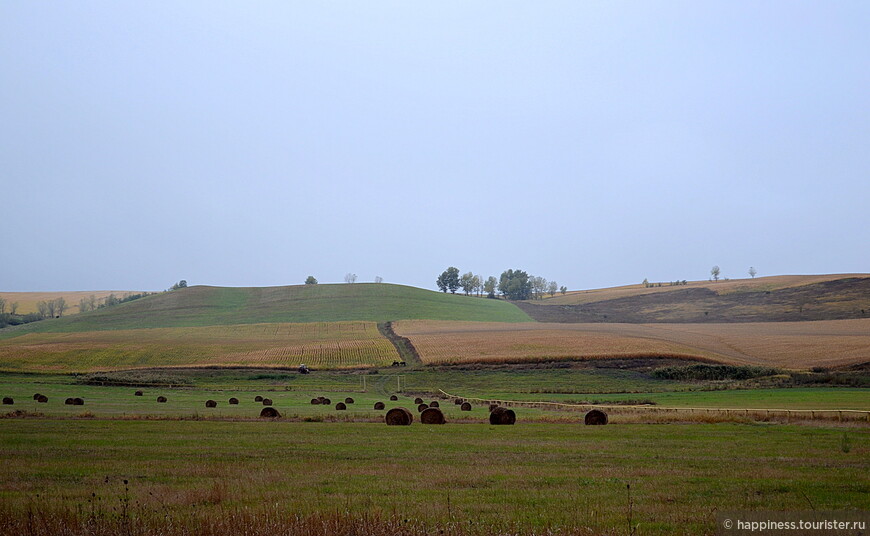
(319, 345)
(787, 414)
(793, 345)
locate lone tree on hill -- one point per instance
(714, 271)
(350, 278)
(448, 280)
(311, 280)
(180, 284)
(752, 272)
(563, 290)
(552, 288)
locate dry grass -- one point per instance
(320, 344)
(795, 345)
(27, 300)
(778, 282)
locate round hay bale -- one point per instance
(432, 416)
(348, 400)
(210, 404)
(270, 413)
(399, 417)
(595, 417)
(36, 396)
(379, 405)
(258, 398)
(492, 407)
(234, 400)
(393, 398)
(68, 401)
(161, 399)
(434, 404)
(457, 401)
(7, 401)
(418, 400)
(42, 399)
(421, 407)
(465, 406)
(138, 393)
(340, 406)
(267, 401)
(78, 401)
(502, 416)
(326, 402)
(315, 401)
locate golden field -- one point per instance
(793, 345)
(27, 300)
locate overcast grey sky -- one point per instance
(594, 143)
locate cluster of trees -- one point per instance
(715, 271)
(678, 282)
(180, 284)
(513, 284)
(12, 318)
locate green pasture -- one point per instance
(533, 475)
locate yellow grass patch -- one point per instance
(27, 300)
(319, 345)
(796, 345)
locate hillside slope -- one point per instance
(775, 300)
(212, 306)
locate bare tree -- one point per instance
(60, 306)
(349, 278)
(42, 308)
(13, 308)
(2, 305)
(752, 272)
(552, 288)
(714, 271)
(379, 279)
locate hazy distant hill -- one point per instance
(765, 299)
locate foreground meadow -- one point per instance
(190, 474)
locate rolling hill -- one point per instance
(766, 299)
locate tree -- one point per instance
(350, 278)
(60, 306)
(490, 286)
(449, 280)
(714, 271)
(2, 306)
(752, 271)
(13, 308)
(180, 284)
(552, 288)
(515, 285)
(379, 279)
(43, 309)
(645, 283)
(477, 284)
(467, 283)
(310, 280)
(563, 290)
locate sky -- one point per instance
(594, 143)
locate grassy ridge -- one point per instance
(210, 306)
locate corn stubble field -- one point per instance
(785, 344)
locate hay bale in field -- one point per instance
(340, 406)
(161, 399)
(270, 413)
(432, 416)
(267, 401)
(326, 402)
(418, 400)
(138, 393)
(258, 398)
(492, 407)
(348, 400)
(36, 396)
(465, 406)
(7, 401)
(458, 401)
(421, 407)
(68, 401)
(434, 404)
(315, 401)
(502, 416)
(210, 404)
(234, 400)
(78, 401)
(595, 417)
(399, 417)
(42, 399)
(379, 405)
(393, 398)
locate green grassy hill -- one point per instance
(210, 306)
